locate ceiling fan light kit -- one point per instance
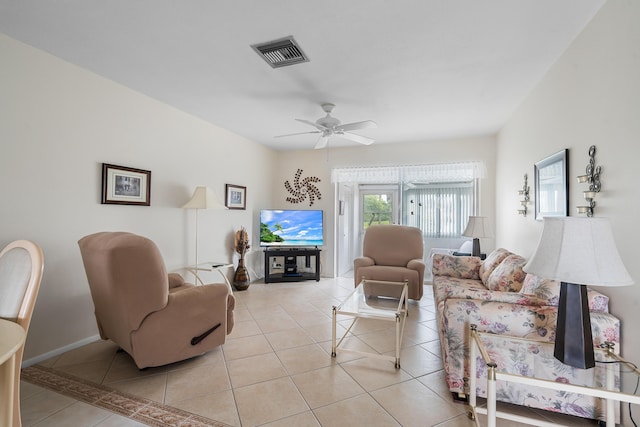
(329, 126)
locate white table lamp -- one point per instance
(577, 252)
(478, 227)
(203, 198)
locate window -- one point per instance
(440, 210)
(379, 204)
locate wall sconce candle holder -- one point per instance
(525, 194)
(593, 178)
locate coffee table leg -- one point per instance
(333, 332)
(397, 341)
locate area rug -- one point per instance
(137, 408)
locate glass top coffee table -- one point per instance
(373, 299)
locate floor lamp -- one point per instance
(478, 227)
(203, 198)
(577, 252)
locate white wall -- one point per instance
(591, 96)
(320, 162)
(58, 123)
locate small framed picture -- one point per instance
(125, 186)
(236, 197)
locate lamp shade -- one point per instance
(580, 251)
(478, 227)
(203, 198)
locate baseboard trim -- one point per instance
(59, 351)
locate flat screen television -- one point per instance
(291, 228)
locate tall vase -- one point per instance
(241, 279)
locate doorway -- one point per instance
(359, 207)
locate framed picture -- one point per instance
(125, 186)
(552, 185)
(236, 197)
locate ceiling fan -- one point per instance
(329, 126)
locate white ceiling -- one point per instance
(422, 69)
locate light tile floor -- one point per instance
(276, 370)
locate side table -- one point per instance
(606, 391)
(210, 266)
(12, 337)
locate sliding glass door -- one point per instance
(379, 204)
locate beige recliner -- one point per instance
(153, 316)
(392, 253)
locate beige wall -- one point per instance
(591, 96)
(320, 162)
(59, 124)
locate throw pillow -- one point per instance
(508, 275)
(491, 262)
(546, 290)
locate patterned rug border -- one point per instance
(137, 408)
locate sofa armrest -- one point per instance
(201, 305)
(175, 280)
(359, 263)
(418, 265)
(598, 302)
(364, 261)
(463, 267)
(166, 335)
(453, 290)
(548, 292)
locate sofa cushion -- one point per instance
(508, 275)
(491, 262)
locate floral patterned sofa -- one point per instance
(500, 298)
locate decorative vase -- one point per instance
(241, 279)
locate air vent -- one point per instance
(281, 53)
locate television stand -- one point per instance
(288, 270)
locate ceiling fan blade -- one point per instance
(357, 125)
(322, 142)
(299, 133)
(315, 125)
(357, 138)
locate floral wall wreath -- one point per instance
(302, 189)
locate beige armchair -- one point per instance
(392, 253)
(153, 316)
